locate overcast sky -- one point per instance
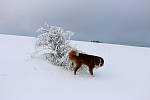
(110, 21)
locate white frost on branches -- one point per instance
(53, 43)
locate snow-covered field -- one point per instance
(125, 75)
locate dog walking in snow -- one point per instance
(79, 59)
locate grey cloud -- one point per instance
(111, 21)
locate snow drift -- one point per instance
(125, 75)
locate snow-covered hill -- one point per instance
(125, 75)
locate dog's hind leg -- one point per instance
(76, 68)
(71, 66)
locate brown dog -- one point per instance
(89, 60)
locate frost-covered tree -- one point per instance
(53, 42)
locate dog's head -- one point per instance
(99, 61)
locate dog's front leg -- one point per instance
(91, 70)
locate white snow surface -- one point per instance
(125, 75)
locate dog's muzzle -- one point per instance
(101, 62)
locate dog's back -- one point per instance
(90, 59)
